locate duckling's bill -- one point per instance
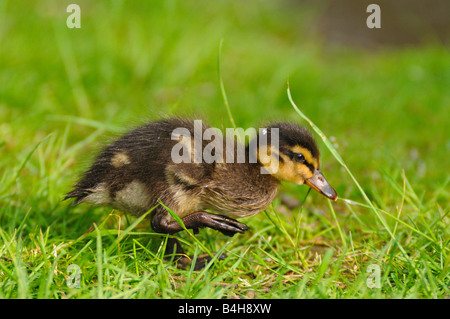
(320, 184)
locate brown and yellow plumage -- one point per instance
(136, 172)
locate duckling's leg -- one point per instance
(174, 250)
(225, 225)
(162, 224)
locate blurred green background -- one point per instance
(384, 103)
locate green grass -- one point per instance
(64, 93)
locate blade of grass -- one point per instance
(222, 87)
(336, 155)
(24, 163)
(210, 263)
(86, 122)
(124, 233)
(99, 264)
(289, 237)
(351, 202)
(14, 248)
(344, 241)
(64, 45)
(180, 222)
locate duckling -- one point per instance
(137, 172)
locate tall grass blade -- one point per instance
(336, 155)
(222, 87)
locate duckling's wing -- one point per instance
(239, 190)
(189, 174)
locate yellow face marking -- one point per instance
(119, 159)
(307, 154)
(287, 169)
(267, 157)
(292, 171)
(264, 155)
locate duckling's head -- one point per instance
(295, 159)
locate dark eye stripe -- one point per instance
(293, 155)
(290, 154)
(310, 166)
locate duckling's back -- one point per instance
(130, 173)
(138, 170)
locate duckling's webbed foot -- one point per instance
(225, 225)
(174, 250)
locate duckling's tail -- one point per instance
(79, 194)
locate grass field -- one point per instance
(65, 92)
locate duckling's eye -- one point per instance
(299, 158)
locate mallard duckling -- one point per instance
(137, 172)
